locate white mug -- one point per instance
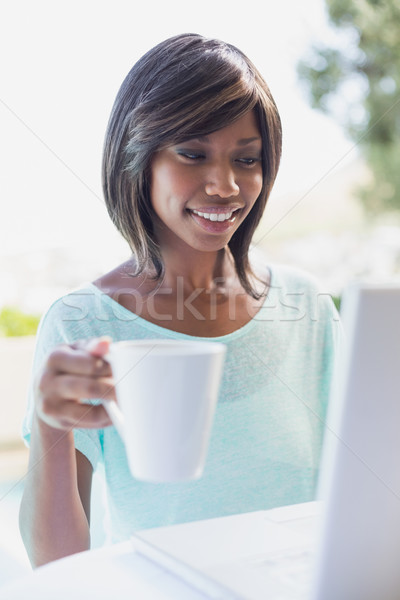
(167, 392)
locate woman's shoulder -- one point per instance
(87, 295)
(66, 318)
(91, 307)
(285, 277)
(123, 277)
(291, 286)
(73, 301)
(293, 279)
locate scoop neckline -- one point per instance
(164, 331)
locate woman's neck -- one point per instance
(198, 270)
(200, 294)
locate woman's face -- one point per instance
(203, 189)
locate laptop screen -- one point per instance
(360, 484)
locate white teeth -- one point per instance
(214, 216)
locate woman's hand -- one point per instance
(70, 374)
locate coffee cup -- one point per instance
(167, 391)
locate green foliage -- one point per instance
(337, 301)
(14, 322)
(363, 75)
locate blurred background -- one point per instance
(333, 68)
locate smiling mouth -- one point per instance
(214, 216)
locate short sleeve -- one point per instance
(57, 328)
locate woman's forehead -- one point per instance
(244, 130)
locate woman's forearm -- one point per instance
(53, 518)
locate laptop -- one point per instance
(359, 551)
(346, 546)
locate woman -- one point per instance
(191, 153)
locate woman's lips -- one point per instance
(213, 215)
(215, 220)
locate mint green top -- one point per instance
(267, 434)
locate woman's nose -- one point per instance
(221, 182)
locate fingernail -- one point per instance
(98, 364)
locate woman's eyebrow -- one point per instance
(246, 141)
(241, 142)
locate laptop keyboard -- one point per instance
(293, 569)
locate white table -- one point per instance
(210, 547)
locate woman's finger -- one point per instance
(73, 387)
(68, 359)
(72, 374)
(72, 414)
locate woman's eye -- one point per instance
(190, 155)
(248, 161)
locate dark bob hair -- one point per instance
(184, 87)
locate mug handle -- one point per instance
(116, 416)
(114, 411)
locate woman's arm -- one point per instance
(55, 508)
(54, 518)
